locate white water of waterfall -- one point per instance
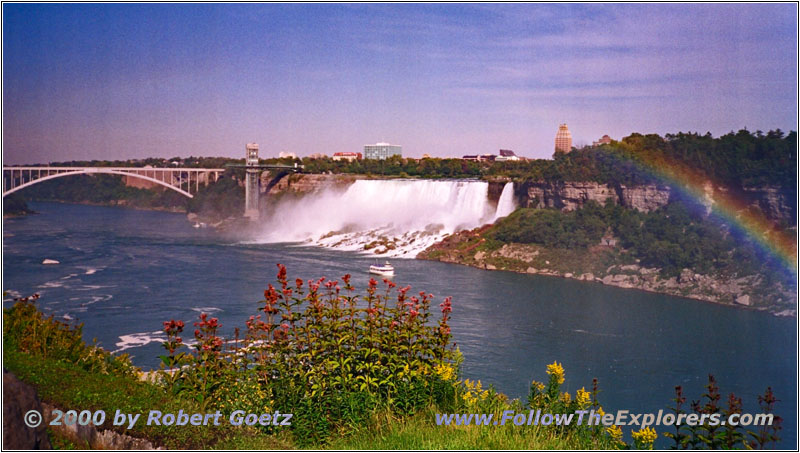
(393, 218)
(506, 204)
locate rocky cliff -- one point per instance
(571, 195)
(776, 205)
(273, 183)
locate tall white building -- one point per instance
(382, 151)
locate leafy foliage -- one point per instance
(102, 189)
(321, 352)
(25, 328)
(14, 204)
(728, 436)
(671, 238)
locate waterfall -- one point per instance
(506, 204)
(397, 218)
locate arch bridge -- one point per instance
(185, 181)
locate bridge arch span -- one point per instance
(89, 171)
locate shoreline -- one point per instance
(602, 265)
(174, 210)
(788, 313)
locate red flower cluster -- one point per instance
(206, 334)
(172, 328)
(281, 273)
(447, 306)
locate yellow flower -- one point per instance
(615, 432)
(556, 370)
(445, 371)
(582, 397)
(565, 398)
(538, 385)
(474, 391)
(645, 437)
(600, 411)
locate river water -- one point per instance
(122, 272)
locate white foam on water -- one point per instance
(391, 218)
(91, 287)
(53, 284)
(137, 340)
(208, 310)
(12, 294)
(96, 299)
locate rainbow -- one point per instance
(732, 210)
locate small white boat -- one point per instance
(49, 261)
(386, 270)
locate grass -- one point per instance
(67, 386)
(421, 433)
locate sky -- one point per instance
(128, 81)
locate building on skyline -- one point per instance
(348, 156)
(506, 155)
(480, 157)
(284, 154)
(382, 151)
(604, 140)
(563, 139)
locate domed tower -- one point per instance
(563, 139)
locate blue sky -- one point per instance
(120, 81)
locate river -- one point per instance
(122, 272)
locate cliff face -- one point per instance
(774, 203)
(301, 184)
(572, 195)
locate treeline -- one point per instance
(672, 238)
(740, 159)
(14, 204)
(156, 162)
(220, 200)
(102, 189)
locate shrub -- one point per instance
(25, 328)
(321, 351)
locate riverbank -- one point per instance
(610, 265)
(114, 204)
